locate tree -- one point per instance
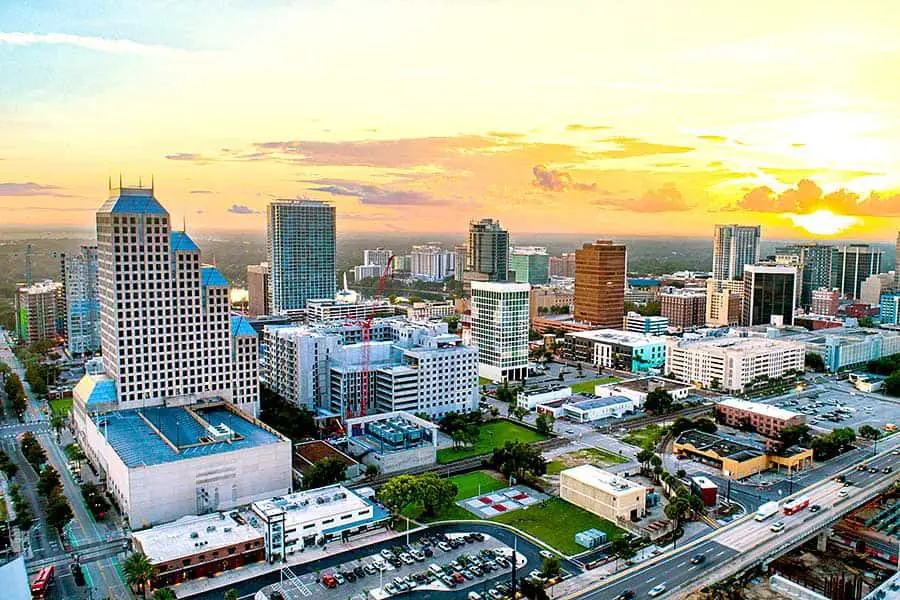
(534, 590)
(167, 594)
(504, 394)
(32, 450)
(297, 423)
(622, 548)
(48, 482)
(94, 499)
(519, 459)
(644, 457)
(372, 471)
(705, 425)
(544, 423)
(715, 384)
(681, 473)
(866, 321)
(436, 494)
(814, 362)
(656, 461)
(138, 572)
(696, 504)
(868, 432)
(892, 385)
(796, 434)
(57, 422)
(658, 401)
(551, 567)
(518, 412)
(231, 594)
(681, 425)
(58, 512)
(676, 510)
(326, 471)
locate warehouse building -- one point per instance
(738, 460)
(393, 441)
(603, 493)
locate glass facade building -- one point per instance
(769, 291)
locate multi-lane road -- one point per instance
(748, 541)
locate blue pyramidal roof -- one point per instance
(240, 326)
(211, 276)
(133, 201)
(183, 242)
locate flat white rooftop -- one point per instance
(617, 336)
(193, 534)
(739, 344)
(602, 480)
(312, 505)
(760, 408)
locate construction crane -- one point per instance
(366, 338)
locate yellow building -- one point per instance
(603, 493)
(737, 460)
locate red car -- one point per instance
(329, 581)
(458, 578)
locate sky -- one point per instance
(604, 117)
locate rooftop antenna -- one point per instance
(120, 180)
(140, 182)
(184, 223)
(110, 183)
(152, 183)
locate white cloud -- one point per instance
(99, 44)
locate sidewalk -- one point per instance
(199, 586)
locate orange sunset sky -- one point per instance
(616, 118)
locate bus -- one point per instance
(795, 505)
(41, 583)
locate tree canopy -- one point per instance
(435, 494)
(519, 459)
(325, 472)
(658, 401)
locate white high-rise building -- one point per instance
(165, 322)
(499, 329)
(733, 247)
(378, 256)
(431, 263)
(79, 279)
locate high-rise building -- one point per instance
(684, 308)
(488, 250)
(361, 272)
(815, 263)
(770, 294)
(245, 366)
(890, 309)
(562, 266)
(258, 277)
(499, 328)
(825, 301)
(430, 263)
(851, 266)
(897, 263)
(82, 298)
(733, 247)
(301, 247)
(600, 284)
(459, 261)
(402, 263)
(40, 310)
(378, 256)
(530, 264)
(874, 286)
(723, 302)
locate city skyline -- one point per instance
(593, 130)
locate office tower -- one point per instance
(825, 302)
(723, 302)
(245, 365)
(258, 277)
(39, 312)
(851, 266)
(815, 263)
(301, 247)
(733, 247)
(770, 294)
(562, 266)
(500, 329)
(165, 323)
(530, 264)
(488, 250)
(600, 284)
(82, 300)
(378, 256)
(459, 261)
(430, 263)
(684, 308)
(874, 286)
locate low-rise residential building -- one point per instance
(739, 460)
(764, 419)
(603, 493)
(849, 347)
(684, 308)
(650, 325)
(198, 546)
(544, 298)
(427, 310)
(612, 348)
(732, 363)
(637, 389)
(392, 442)
(589, 410)
(292, 522)
(530, 398)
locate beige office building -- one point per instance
(603, 493)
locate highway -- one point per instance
(748, 541)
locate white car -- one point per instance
(444, 546)
(387, 554)
(777, 527)
(842, 493)
(474, 596)
(406, 558)
(546, 554)
(658, 590)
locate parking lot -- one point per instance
(460, 562)
(839, 404)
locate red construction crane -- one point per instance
(366, 338)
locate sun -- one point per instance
(823, 222)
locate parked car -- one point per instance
(370, 568)
(546, 554)
(418, 555)
(467, 574)
(457, 577)
(474, 596)
(391, 589)
(349, 576)
(477, 570)
(658, 590)
(449, 581)
(387, 554)
(436, 569)
(886, 470)
(329, 581)
(494, 594)
(406, 558)
(842, 493)
(444, 546)
(427, 551)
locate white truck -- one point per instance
(766, 510)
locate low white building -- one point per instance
(392, 442)
(637, 389)
(529, 399)
(295, 521)
(594, 409)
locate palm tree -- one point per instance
(138, 571)
(231, 594)
(57, 422)
(164, 594)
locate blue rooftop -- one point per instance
(643, 282)
(182, 242)
(138, 444)
(211, 276)
(599, 402)
(133, 201)
(240, 326)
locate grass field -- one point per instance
(484, 381)
(554, 467)
(601, 455)
(62, 406)
(467, 485)
(491, 435)
(556, 522)
(588, 386)
(646, 437)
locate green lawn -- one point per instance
(491, 435)
(484, 381)
(477, 482)
(646, 437)
(601, 455)
(587, 387)
(63, 406)
(556, 522)
(555, 467)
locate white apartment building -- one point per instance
(589, 410)
(530, 398)
(361, 272)
(431, 263)
(82, 296)
(325, 310)
(377, 257)
(652, 325)
(499, 328)
(603, 493)
(296, 363)
(732, 362)
(425, 311)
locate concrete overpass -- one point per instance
(747, 542)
